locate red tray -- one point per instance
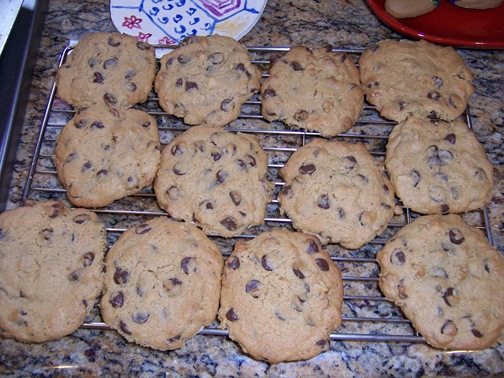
(449, 24)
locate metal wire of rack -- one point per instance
(367, 314)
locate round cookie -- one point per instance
(215, 178)
(102, 156)
(107, 68)
(281, 296)
(314, 90)
(336, 191)
(403, 78)
(51, 262)
(162, 283)
(477, 4)
(409, 8)
(438, 167)
(447, 280)
(206, 80)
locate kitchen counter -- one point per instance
(340, 23)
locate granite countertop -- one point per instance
(341, 23)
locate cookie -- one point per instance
(409, 8)
(281, 296)
(313, 90)
(51, 264)
(336, 191)
(162, 283)
(404, 78)
(438, 167)
(206, 80)
(477, 4)
(447, 280)
(214, 178)
(102, 156)
(109, 69)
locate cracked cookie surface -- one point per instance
(404, 78)
(215, 178)
(162, 283)
(109, 69)
(281, 296)
(337, 191)
(438, 167)
(447, 280)
(102, 156)
(51, 261)
(206, 80)
(313, 90)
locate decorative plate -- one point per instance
(449, 24)
(168, 22)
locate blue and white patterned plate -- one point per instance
(168, 22)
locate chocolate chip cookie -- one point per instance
(447, 280)
(162, 283)
(281, 296)
(336, 191)
(313, 90)
(206, 80)
(438, 167)
(214, 178)
(51, 262)
(109, 69)
(102, 156)
(404, 78)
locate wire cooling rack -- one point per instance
(367, 314)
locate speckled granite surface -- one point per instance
(340, 23)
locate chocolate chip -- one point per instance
(140, 317)
(350, 162)
(233, 262)
(92, 62)
(86, 166)
(174, 339)
(229, 223)
(74, 276)
(88, 258)
(110, 62)
(231, 315)
(251, 160)
(47, 233)
(190, 85)
(402, 105)
(323, 202)
(386, 189)
(456, 236)
(221, 176)
(268, 92)
(307, 169)
(252, 288)
(312, 247)
(235, 197)
(102, 173)
(55, 210)
(81, 123)
(117, 300)
(264, 263)
(109, 99)
(438, 272)
(227, 105)
(434, 95)
(184, 264)
(183, 59)
(279, 316)
(363, 178)
(113, 43)
(216, 58)
(445, 209)
(397, 257)
(296, 66)
(208, 205)
(173, 193)
(321, 343)
(179, 82)
(401, 291)
(124, 328)
(178, 170)
(142, 229)
(240, 67)
(341, 213)
(322, 264)
(449, 328)
(438, 82)
(98, 78)
(451, 138)
(81, 218)
(298, 273)
(131, 87)
(130, 74)
(175, 281)
(301, 115)
(433, 116)
(177, 150)
(476, 333)
(121, 276)
(143, 46)
(449, 295)
(97, 125)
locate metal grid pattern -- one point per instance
(367, 314)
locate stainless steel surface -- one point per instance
(367, 314)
